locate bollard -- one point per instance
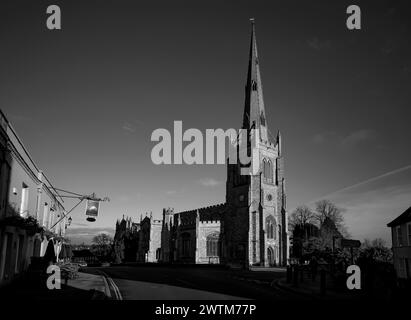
(289, 274)
(322, 282)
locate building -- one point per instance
(329, 234)
(401, 245)
(30, 211)
(255, 221)
(149, 247)
(251, 227)
(192, 236)
(126, 240)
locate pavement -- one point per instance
(311, 289)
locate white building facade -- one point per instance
(29, 208)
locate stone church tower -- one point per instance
(255, 231)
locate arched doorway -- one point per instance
(270, 256)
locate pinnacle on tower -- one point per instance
(279, 143)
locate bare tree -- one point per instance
(327, 209)
(302, 215)
(102, 239)
(102, 245)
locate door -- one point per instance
(270, 256)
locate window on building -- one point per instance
(4, 183)
(262, 119)
(401, 268)
(409, 233)
(24, 200)
(45, 214)
(399, 236)
(270, 227)
(254, 85)
(267, 171)
(185, 244)
(213, 245)
(50, 218)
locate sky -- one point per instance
(85, 99)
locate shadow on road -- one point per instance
(213, 279)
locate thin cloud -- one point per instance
(359, 136)
(349, 140)
(372, 203)
(374, 179)
(323, 137)
(129, 127)
(317, 44)
(209, 182)
(368, 212)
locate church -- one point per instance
(251, 227)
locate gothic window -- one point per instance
(262, 119)
(264, 169)
(267, 171)
(276, 174)
(213, 245)
(270, 227)
(185, 244)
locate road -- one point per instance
(164, 282)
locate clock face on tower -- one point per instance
(269, 197)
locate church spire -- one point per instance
(254, 112)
